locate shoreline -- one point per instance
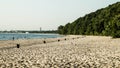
(33, 41)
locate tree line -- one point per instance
(105, 21)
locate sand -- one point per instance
(69, 52)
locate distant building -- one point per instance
(26, 32)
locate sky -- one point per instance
(47, 14)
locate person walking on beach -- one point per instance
(13, 38)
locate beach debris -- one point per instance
(58, 40)
(18, 45)
(65, 39)
(44, 41)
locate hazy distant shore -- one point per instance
(72, 51)
(16, 36)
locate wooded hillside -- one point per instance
(105, 21)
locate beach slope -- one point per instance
(69, 51)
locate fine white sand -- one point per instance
(74, 52)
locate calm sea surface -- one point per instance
(11, 36)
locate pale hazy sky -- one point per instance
(48, 14)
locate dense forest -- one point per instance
(105, 21)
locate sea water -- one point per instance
(11, 36)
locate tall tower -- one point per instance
(40, 29)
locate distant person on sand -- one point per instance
(13, 38)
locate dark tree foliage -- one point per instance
(105, 21)
(60, 29)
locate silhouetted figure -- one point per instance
(13, 38)
(18, 45)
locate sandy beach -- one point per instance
(66, 52)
